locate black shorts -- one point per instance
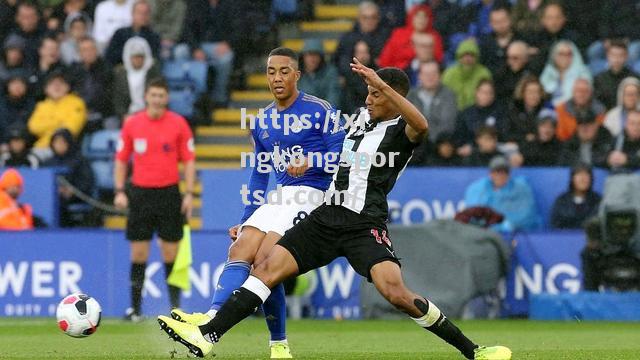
(332, 231)
(155, 210)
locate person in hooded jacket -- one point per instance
(628, 101)
(398, 51)
(319, 78)
(76, 170)
(578, 203)
(76, 27)
(464, 76)
(130, 79)
(16, 104)
(19, 149)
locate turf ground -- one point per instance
(353, 340)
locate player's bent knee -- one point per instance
(240, 250)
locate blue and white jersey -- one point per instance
(314, 134)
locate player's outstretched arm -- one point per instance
(417, 124)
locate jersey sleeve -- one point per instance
(125, 143)
(333, 134)
(258, 182)
(186, 146)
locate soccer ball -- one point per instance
(78, 315)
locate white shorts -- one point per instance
(280, 215)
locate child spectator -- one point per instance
(485, 149)
(578, 203)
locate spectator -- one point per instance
(60, 109)
(493, 46)
(590, 145)
(445, 17)
(48, 63)
(355, 90)
(398, 51)
(76, 27)
(524, 110)
(167, 17)
(475, 15)
(12, 62)
(16, 104)
(93, 82)
(13, 215)
(209, 35)
(464, 76)
(131, 78)
(423, 46)
(510, 74)
(628, 100)
(564, 67)
(553, 30)
(19, 149)
(485, 149)
(444, 152)
(510, 196)
(140, 26)
(319, 78)
(606, 83)
(544, 149)
(626, 147)
(485, 112)
(7, 17)
(527, 15)
(434, 100)
(581, 101)
(572, 208)
(367, 28)
(62, 12)
(30, 30)
(619, 20)
(110, 16)
(76, 170)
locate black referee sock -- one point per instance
(174, 291)
(444, 328)
(241, 304)
(136, 277)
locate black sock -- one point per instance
(174, 291)
(136, 277)
(241, 304)
(450, 333)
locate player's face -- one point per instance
(283, 76)
(378, 106)
(157, 98)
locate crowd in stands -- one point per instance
(540, 82)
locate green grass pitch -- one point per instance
(315, 339)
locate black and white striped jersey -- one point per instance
(363, 181)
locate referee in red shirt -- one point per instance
(157, 140)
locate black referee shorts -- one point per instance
(332, 231)
(155, 210)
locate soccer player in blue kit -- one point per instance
(302, 188)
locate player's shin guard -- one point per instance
(136, 277)
(233, 275)
(242, 303)
(174, 291)
(275, 312)
(435, 321)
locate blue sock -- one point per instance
(233, 276)
(275, 312)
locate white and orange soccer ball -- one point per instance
(78, 315)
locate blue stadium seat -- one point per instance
(186, 74)
(597, 66)
(181, 101)
(99, 148)
(636, 66)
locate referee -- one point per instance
(156, 140)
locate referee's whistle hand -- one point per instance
(121, 201)
(187, 205)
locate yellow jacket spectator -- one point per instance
(59, 109)
(464, 76)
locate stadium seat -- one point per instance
(99, 149)
(597, 66)
(181, 101)
(636, 66)
(183, 74)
